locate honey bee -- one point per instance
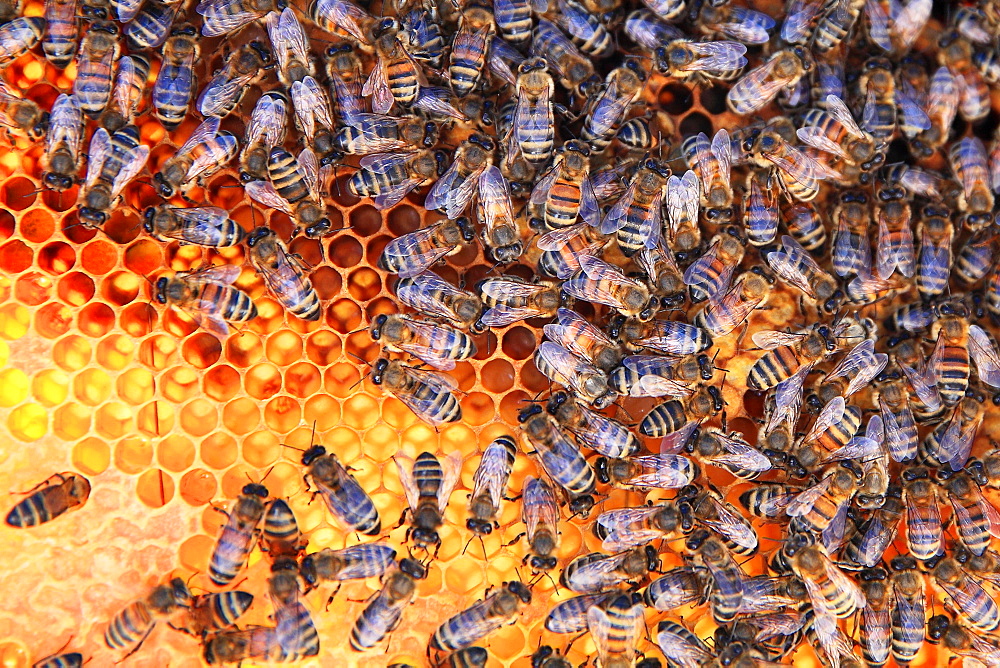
(924, 534)
(787, 353)
(378, 133)
(731, 309)
(420, 32)
(761, 213)
(851, 248)
(684, 58)
(624, 528)
(532, 133)
(666, 336)
(967, 597)
(60, 660)
(343, 18)
(663, 276)
(976, 518)
(565, 191)
(585, 29)
(345, 498)
(59, 493)
(513, 18)
(265, 131)
(546, 657)
(510, 299)
(540, 514)
(351, 563)
(388, 177)
(711, 554)
(243, 69)
(428, 394)
(61, 161)
(659, 376)
(683, 646)
(605, 435)
(428, 484)
(223, 17)
(677, 587)
(489, 484)
(575, 70)
(315, 118)
(296, 633)
(874, 536)
(256, 643)
(586, 380)
(730, 451)
(837, 19)
(805, 225)
(949, 362)
(283, 274)
(61, 28)
(343, 69)
(835, 131)
(208, 297)
(711, 162)
(295, 187)
(127, 92)
(113, 161)
(152, 25)
(876, 625)
(635, 218)
(955, 52)
(238, 534)
(666, 470)
(500, 235)
(798, 173)
(621, 89)
(673, 415)
(796, 265)
(616, 626)
(970, 165)
(134, 622)
(470, 44)
(411, 254)
(434, 296)
(99, 50)
(935, 259)
(291, 46)
(596, 572)
(560, 457)
(482, 618)
(206, 151)
(900, 425)
(830, 590)
(210, 613)
(823, 507)
(583, 339)
(769, 500)
(649, 30)
(437, 345)
(385, 608)
(397, 77)
(176, 81)
(602, 283)
(18, 36)
(762, 84)
(972, 645)
(941, 107)
(742, 24)
(710, 275)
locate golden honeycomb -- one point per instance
(168, 422)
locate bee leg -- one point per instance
(517, 538)
(137, 646)
(330, 600)
(44, 483)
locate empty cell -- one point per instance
(360, 411)
(283, 347)
(241, 415)
(221, 382)
(56, 258)
(465, 374)
(72, 352)
(143, 257)
(138, 320)
(507, 643)
(91, 456)
(381, 442)
(244, 349)
(359, 346)
(303, 380)
(158, 352)
(61, 201)
(18, 193)
(263, 381)
(344, 442)
(195, 552)
(113, 420)
(396, 413)
(235, 479)
(327, 282)
(218, 451)
(71, 421)
(694, 123)
(199, 417)
(32, 288)
(512, 403)
(457, 436)
(518, 343)
(175, 453)
(53, 320)
(50, 387)
(375, 247)
(122, 227)
(99, 257)
(403, 220)
(136, 386)
(197, 487)
(364, 284)
(261, 449)
(155, 488)
(676, 98)
(37, 226)
(323, 347)
(308, 249)
(282, 414)
(419, 437)
(533, 379)
(322, 409)
(497, 375)
(13, 654)
(92, 386)
(341, 379)
(133, 454)
(344, 316)
(339, 192)
(13, 387)
(115, 352)
(202, 350)
(487, 345)
(96, 320)
(365, 220)
(155, 418)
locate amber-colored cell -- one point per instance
(138, 319)
(71, 421)
(261, 449)
(15, 256)
(360, 411)
(14, 321)
(155, 488)
(518, 343)
(694, 123)
(364, 284)
(283, 347)
(37, 226)
(76, 289)
(365, 220)
(302, 380)
(345, 252)
(197, 487)
(175, 453)
(115, 352)
(6, 225)
(282, 414)
(323, 347)
(465, 576)
(92, 386)
(396, 413)
(202, 350)
(56, 258)
(327, 282)
(403, 220)
(195, 551)
(74, 231)
(374, 248)
(344, 315)
(340, 379)
(359, 346)
(199, 417)
(136, 386)
(133, 454)
(32, 288)
(340, 193)
(57, 201)
(222, 382)
(241, 415)
(158, 351)
(497, 375)
(380, 306)
(53, 320)
(244, 349)
(533, 379)
(263, 381)
(121, 287)
(96, 320)
(13, 387)
(323, 410)
(50, 387)
(99, 257)
(309, 250)
(218, 450)
(91, 456)
(235, 479)
(113, 420)
(143, 257)
(71, 353)
(18, 193)
(13, 655)
(457, 436)
(381, 442)
(477, 408)
(155, 418)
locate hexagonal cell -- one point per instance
(18, 193)
(37, 226)
(76, 289)
(175, 453)
(71, 353)
(155, 418)
(158, 351)
(323, 347)
(244, 349)
(92, 386)
(56, 258)
(263, 381)
(13, 387)
(497, 375)
(283, 347)
(95, 320)
(364, 284)
(327, 282)
(99, 257)
(155, 488)
(198, 487)
(71, 421)
(91, 456)
(261, 449)
(345, 252)
(115, 352)
(202, 350)
(143, 257)
(222, 382)
(302, 380)
(340, 379)
(322, 410)
(241, 415)
(133, 454)
(50, 387)
(282, 414)
(138, 320)
(136, 386)
(15, 256)
(32, 288)
(218, 451)
(518, 343)
(113, 420)
(199, 417)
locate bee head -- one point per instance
(266, 59)
(148, 216)
(165, 190)
(377, 324)
(92, 217)
(319, 229)
(581, 505)
(308, 570)
(58, 181)
(336, 49)
(312, 454)
(413, 568)
(479, 527)
(520, 590)
(542, 564)
(424, 537)
(380, 366)
(161, 289)
(556, 401)
(527, 413)
(257, 234)
(255, 489)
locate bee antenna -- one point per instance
(359, 358)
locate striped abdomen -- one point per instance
(129, 626)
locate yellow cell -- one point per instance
(261, 449)
(13, 655)
(71, 421)
(50, 387)
(175, 453)
(13, 387)
(92, 456)
(14, 321)
(133, 454)
(92, 386)
(28, 422)
(113, 420)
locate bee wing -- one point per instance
(264, 193)
(831, 414)
(859, 448)
(695, 273)
(392, 196)
(565, 365)
(345, 15)
(913, 115)
(756, 88)
(836, 108)
(747, 25)
(220, 274)
(614, 219)
(785, 266)
(494, 196)
(683, 647)
(290, 36)
(664, 473)
(675, 440)
(100, 149)
(622, 518)
(798, 18)
(267, 121)
(452, 469)
(491, 474)
(377, 87)
(984, 354)
(721, 55)
(676, 338)
(218, 93)
(894, 253)
(539, 506)
(123, 81)
(732, 526)
(133, 163)
(803, 502)
(558, 238)
(502, 315)
(452, 193)
(878, 24)
(865, 361)
(683, 197)
(910, 21)
(504, 291)
(958, 442)
(601, 271)
(657, 386)
(788, 393)
(311, 106)
(66, 123)
(224, 16)
(742, 455)
(404, 466)
(900, 432)
(208, 129)
(573, 326)
(815, 137)
(769, 340)
(432, 356)
(434, 100)
(433, 379)
(126, 10)
(924, 386)
(570, 616)
(540, 193)
(310, 171)
(801, 167)
(627, 628)
(611, 108)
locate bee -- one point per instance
(385, 608)
(540, 514)
(616, 626)
(433, 296)
(210, 613)
(280, 535)
(956, 53)
(208, 297)
(583, 339)
(963, 643)
(787, 353)
(873, 537)
(256, 643)
(851, 248)
(570, 616)
(624, 528)
(176, 81)
(411, 254)
(677, 587)
(712, 163)
(596, 572)
(935, 259)
(742, 24)
(823, 507)
(61, 161)
(876, 625)
(663, 276)
(635, 218)
(731, 309)
(976, 518)
(421, 32)
(489, 484)
(50, 499)
(238, 533)
(482, 618)
(731, 452)
(805, 225)
(969, 163)
(294, 628)
(769, 500)
(294, 187)
(924, 534)
(598, 432)
(343, 68)
(622, 88)
(560, 457)
(649, 30)
(783, 69)
(223, 17)
(291, 46)
(265, 131)
(427, 393)
(396, 77)
(532, 133)
(546, 657)
(205, 152)
(941, 107)
(351, 563)
(897, 416)
(565, 191)
(576, 71)
(428, 485)
(18, 36)
(665, 336)
(510, 299)
(602, 283)
(152, 26)
(830, 590)
(476, 27)
(134, 622)
(835, 131)
(500, 235)
(61, 27)
(949, 362)
(60, 660)
(127, 92)
(513, 19)
(798, 173)
(378, 133)
(836, 20)
(99, 50)
(761, 213)
(975, 256)
(710, 275)
(711, 554)
(243, 69)
(684, 58)
(344, 19)
(796, 265)
(683, 232)
(586, 380)
(113, 161)
(834, 428)
(712, 511)
(967, 597)
(854, 372)
(283, 274)
(685, 648)
(388, 177)
(437, 345)
(315, 118)
(343, 495)
(926, 402)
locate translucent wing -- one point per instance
(540, 193)
(437, 381)
(676, 338)
(264, 192)
(540, 507)
(865, 361)
(836, 108)
(910, 21)
(267, 121)
(984, 354)
(626, 628)
(224, 16)
(220, 274)
(420, 293)
(894, 253)
(312, 107)
(410, 251)
(291, 39)
(377, 87)
(310, 171)
(924, 386)
(831, 414)
(878, 24)
(65, 124)
(769, 340)
(404, 466)
(614, 219)
(345, 15)
(452, 468)
(741, 455)
(724, 56)
(664, 472)
(732, 526)
(683, 197)
(133, 163)
(804, 501)
(674, 441)
(126, 10)
(100, 149)
(491, 474)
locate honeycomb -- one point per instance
(169, 423)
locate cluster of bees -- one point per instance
(863, 174)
